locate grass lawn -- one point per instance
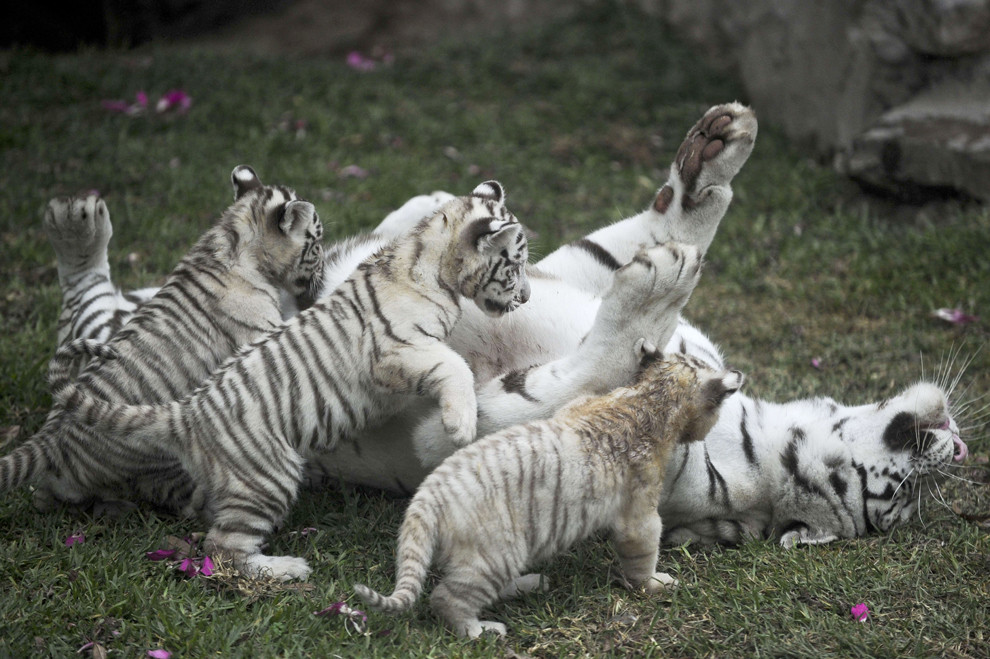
(579, 122)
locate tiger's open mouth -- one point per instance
(961, 451)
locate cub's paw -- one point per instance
(659, 582)
(476, 628)
(713, 152)
(460, 420)
(79, 230)
(282, 568)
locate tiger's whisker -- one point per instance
(959, 478)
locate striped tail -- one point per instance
(28, 461)
(417, 542)
(62, 368)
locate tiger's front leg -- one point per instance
(687, 209)
(437, 371)
(636, 536)
(92, 307)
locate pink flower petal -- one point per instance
(334, 609)
(159, 654)
(816, 362)
(207, 569)
(75, 539)
(955, 316)
(359, 62)
(86, 646)
(188, 567)
(142, 99)
(354, 171)
(860, 612)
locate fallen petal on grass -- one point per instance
(354, 171)
(860, 612)
(816, 362)
(955, 316)
(159, 654)
(359, 62)
(75, 539)
(174, 99)
(357, 618)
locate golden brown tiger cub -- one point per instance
(524, 494)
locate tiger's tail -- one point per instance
(130, 423)
(37, 455)
(28, 461)
(417, 543)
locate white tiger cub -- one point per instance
(224, 293)
(347, 362)
(524, 494)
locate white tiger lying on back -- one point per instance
(524, 494)
(347, 362)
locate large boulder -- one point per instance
(894, 91)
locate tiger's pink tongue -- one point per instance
(961, 449)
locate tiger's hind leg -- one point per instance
(687, 209)
(249, 501)
(92, 307)
(459, 598)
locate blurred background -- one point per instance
(892, 93)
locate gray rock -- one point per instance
(860, 81)
(939, 139)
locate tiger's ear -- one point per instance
(720, 387)
(492, 190)
(502, 238)
(732, 382)
(244, 179)
(298, 217)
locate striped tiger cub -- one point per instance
(349, 361)
(223, 294)
(526, 493)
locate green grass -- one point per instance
(579, 123)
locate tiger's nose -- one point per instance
(524, 292)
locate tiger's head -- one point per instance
(286, 234)
(900, 448)
(491, 250)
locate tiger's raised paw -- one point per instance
(713, 152)
(79, 230)
(408, 215)
(643, 304)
